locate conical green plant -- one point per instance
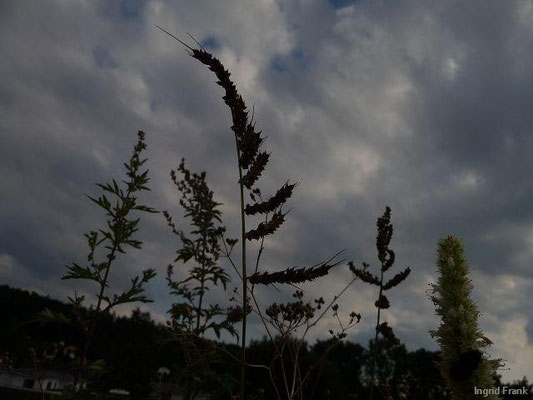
(464, 364)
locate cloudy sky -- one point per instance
(423, 106)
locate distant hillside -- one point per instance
(133, 348)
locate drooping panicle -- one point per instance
(248, 139)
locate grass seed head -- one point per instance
(292, 275)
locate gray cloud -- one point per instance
(420, 106)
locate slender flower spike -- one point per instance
(386, 257)
(464, 365)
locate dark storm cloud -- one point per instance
(421, 106)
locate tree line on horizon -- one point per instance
(135, 348)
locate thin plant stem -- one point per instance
(202, 285)
(296, 369)
(375, 354)
(260, 366)
(96, 314)
(283, 370)
(228, 256)
(336, 298)
(243, 275)
(259, 254)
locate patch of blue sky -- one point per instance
(131, 9)
(279, 64)
(210, 43)
(102, 58)
(295, 59)
(341, 3)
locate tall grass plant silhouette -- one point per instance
(251, 164)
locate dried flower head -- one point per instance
(382, 302)
(289, 316)
(235, 314)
